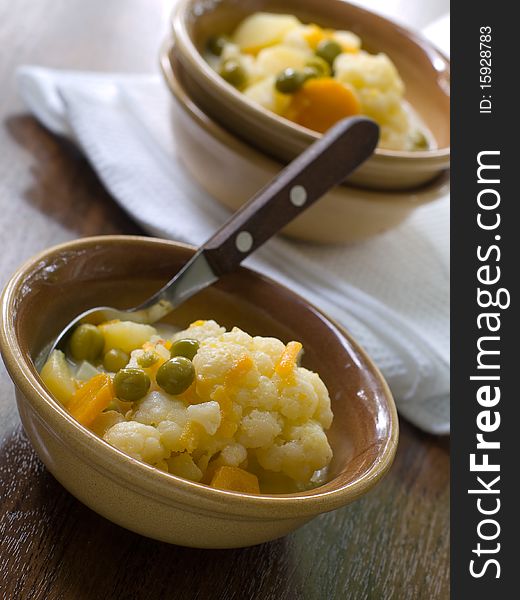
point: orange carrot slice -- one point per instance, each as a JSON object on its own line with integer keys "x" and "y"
{"x": 322, "y": 102}
{"x": 91, "y": 399}
{"x": 315, "y": 34}
{"x": 240, "y": 367}
{"x": 229, "y": 421}
{"x": 286, "y": 363}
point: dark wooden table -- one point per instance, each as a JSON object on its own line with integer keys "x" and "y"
{"x": 394, "y": 543}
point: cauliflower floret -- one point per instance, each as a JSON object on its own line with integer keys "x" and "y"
{"x": 233, "y": 455}
{"x": 218, "y": 356}
{"x": 243, "y": 407}
{"x": 271, "y": 346}
{"x": 142, "y": 442}
{"x": 200, "y": 330}
{"x": 158, "y": 406}
{"x": 134, "y": 356}
{"x": 305, "y": 451}
{"x": 266, "y": 353}
{"x": 395, "y": 140}
{"x": 207, "y": 414}
{"x": 259, "y": 428}
{"x": 172, "y": 435}
{"x": 264, "y": 363}
{"x": 156, "y": 345}
{"x": 211, "y": 363}
{"x": 383, "y": 106}
{"x": 264, "y": 395}
{"x": 238, "y": 337}
{"x": 363, "y": 70}
{"x": 299, "y": 400}
{"x": 214, "y": 362}
{"x": 348, "y": 41}
{"x": 380, "y": 91}
{"x": 323, "y": 413}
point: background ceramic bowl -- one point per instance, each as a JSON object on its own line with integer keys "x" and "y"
{"x": 346, "y": 214}
{"x": 425, "y": 72}
{"x": 121, "y": 271}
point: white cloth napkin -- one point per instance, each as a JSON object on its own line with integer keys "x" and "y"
{"x": 391, "y": 292}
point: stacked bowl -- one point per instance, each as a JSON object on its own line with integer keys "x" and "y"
{"x": 232, "y": 146}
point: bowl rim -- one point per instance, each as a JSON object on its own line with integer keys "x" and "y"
{"x": 143, "y": 477}
{"x": 415, "y": 196}
{"x": 190, "y": 53}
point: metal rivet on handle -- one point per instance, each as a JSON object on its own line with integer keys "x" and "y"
{"x": 244, "y": 241}
{"x": 298, "y": 195}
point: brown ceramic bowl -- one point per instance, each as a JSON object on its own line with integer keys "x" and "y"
{"x": 424, "y": 70}
{"x": 121, "y": 271}
{"x": 346, "y": 214}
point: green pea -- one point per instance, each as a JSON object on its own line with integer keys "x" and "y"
{"x": 115, "y": 359}
{"x": 320, "y": 66}
{"x": 186, "y": 347}
{"x": 112, "y": 405}
{"x": 233, "y": 72}
{"x": 328, "y": 50}
{"x": 419, "y": 140}
{"x": 148, "y": 359}
{"x": 289, "y": 81}
{"x": 216, "y": 44}
{"x": 131, "y": 384}
{"x": 176, "y": 375}
{"x": 86, "y": 343}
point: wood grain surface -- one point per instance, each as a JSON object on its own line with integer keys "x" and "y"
{"x": 393, "y": 543}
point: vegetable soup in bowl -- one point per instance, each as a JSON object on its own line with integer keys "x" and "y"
{"x": 192, "y": 431}
{"x": 278, "y": 73}
{"x": 345, "y": 214}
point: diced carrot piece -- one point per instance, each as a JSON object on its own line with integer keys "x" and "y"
{"x": 228, "y": 422}
{"x": 321, "y": 103}
{"x": 91, "y": 399}
{"x": 236, "y": 480}
{"x": 285, "y": 365}
{"x": 226, "y": 404}
{"x": 240, "y": 368}
{"x": 314, "y": 35}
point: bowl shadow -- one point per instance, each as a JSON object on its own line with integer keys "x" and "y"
{"x": 62, "y": 549}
